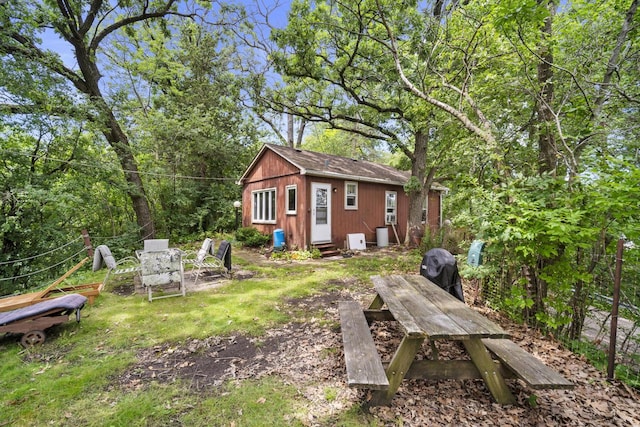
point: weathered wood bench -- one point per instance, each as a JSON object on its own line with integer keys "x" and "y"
{"x": 364, "y": 366}
{"x": 526, "y": 366}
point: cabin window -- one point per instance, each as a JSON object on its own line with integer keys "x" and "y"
{"x": 292, "y": 199}
{"x": 391, "y": 205}
{"x": 351, "y": 195}
{"x": 264, "y": 206}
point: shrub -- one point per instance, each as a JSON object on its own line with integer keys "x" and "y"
{"x": 250, "y": 236}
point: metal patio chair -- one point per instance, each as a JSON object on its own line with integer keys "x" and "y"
{"x": 206, "y": 261}
{"x": 102, "y": 257}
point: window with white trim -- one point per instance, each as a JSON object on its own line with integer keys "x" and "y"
{"x": 264, "y": 206}
{"x": 391, "y": 207}
{"x": 292, "y": 199}
{"x": 351, "y": 195}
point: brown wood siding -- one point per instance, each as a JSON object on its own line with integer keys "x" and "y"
{"x": 269, "y": 166}
{"x": 293, "y": 225}
{"x": 433, "y": 214}
{"x": 272, "y": 171}
{"x": 369, "y": 215}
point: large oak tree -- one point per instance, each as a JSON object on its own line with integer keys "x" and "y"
{"x": 84, "y": 29}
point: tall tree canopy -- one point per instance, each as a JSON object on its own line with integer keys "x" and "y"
{"x": 339, "y": 63}
{"x": 83, "y": 28}
{"x": 115, "y": 114}
{"x": 523, "y": 106}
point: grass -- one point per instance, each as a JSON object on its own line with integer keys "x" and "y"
{"x": 72, "y": 378}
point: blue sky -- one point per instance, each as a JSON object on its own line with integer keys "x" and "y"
{"x": 277, "y": 10}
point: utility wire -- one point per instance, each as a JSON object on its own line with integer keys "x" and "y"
{"x": 14, "y": 261}
{"x": 112, "y": 238}
{"x": 107, "y": 168}
{"x": 44, "y": 269}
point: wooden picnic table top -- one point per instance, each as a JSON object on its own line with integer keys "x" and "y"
{"x": 423, "y": 309}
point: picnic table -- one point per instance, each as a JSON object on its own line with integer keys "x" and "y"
{"x": 425, "y": 312}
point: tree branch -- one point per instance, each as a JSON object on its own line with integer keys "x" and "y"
{"x": 26, "y": 49}
{"x": 612, "y": 65}
{"x": 485, "y": 133}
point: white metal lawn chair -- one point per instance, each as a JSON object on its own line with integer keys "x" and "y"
{"x": 205, "y": 260}
{"x": 102, "y": 257}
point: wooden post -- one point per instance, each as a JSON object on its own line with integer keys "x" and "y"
{"x": 614, "y": 312}
{"x": 398, "y": 368}
{"x": 87, "y": 242}
{"x": 487, "y": 368}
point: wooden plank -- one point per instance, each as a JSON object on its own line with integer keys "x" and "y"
{"x": 364, "y": 367}
{"x": 64, "y": 276}
{"x": 89, "y": 290}
{"x": 417, "y": 315}
{"x": 439, "y": 370}
{"x": 396, "y": 307}
{"x": 475, "y": 324}
{"x": 378, "y": 315}
{"x": 24, "y": 300}
{"x": 36, "y": 324}
{"x": 526, "y": 366}
{"x": 492, "y": 378}
{"x": 19, "y": 301}
{"x": 402, "y": 359}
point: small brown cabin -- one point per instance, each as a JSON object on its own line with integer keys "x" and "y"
{"x": 318, "y": 198}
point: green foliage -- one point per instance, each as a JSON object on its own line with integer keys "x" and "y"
{"x": 345, "y": 144}
{"x": 51, "y": 191}
{"x": 444, "y": 237}
{"x": 413, "y": 185}
{"x": 251, "y": 237}
{"x": 195, "y": 141}
{"x": 296, "y": 255}
{"x": 542, "y": 232}
{"x": 517, "y": 302}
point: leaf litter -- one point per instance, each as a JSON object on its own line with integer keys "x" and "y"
{"x": 308, "y": 356}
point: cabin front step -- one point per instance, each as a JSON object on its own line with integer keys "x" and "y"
{"x": 327, "y": 249}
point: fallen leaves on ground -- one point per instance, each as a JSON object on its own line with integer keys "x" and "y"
{"x": 309, "y": 356}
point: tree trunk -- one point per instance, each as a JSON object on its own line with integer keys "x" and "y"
{"x": 547, "y": 158}
{"x": 135, "y": 190}
{"x": 579, "y": 309}
{"x": 417, "y": 194}
{"x": 117, "y": 138}
{"x": 290, "y": 130}
{"x": 536, "y": 288}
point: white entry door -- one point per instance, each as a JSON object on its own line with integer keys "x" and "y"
{"x": 320, "y": 212}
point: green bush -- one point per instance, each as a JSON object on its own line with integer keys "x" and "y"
{"x": 250, "y": 236}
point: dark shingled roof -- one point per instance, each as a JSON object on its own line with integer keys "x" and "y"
{"x": 328, "y": 165}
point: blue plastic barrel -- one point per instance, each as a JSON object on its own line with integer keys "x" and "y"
{"x": 278, "y": 238}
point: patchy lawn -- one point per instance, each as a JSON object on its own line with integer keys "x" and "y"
{"x": 287, "y": 371}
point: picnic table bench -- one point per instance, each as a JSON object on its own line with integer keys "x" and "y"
{"x": 364, "y": 367}
{"x": 426, "y": 312}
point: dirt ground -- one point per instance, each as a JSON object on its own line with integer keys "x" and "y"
{"x": 309, "y": 357}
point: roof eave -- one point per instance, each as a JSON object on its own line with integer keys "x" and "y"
{"x": 326, "y": 174}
